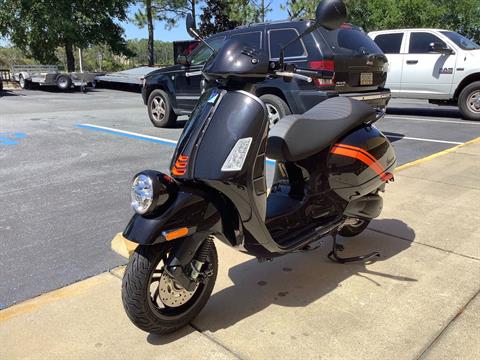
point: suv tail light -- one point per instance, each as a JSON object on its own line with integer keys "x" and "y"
{"x": 328, "y": 65}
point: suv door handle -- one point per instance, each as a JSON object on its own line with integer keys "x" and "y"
{"x": 412, "y": 62}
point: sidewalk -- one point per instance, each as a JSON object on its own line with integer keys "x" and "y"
{"x": 419, "y": 301}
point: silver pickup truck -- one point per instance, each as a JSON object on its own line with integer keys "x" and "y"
{"x": 438, "y": 65}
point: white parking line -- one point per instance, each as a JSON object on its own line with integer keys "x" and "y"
{"x": 422, "y": 139}
{"x": 173, "y": 143}
{"x": 466, "y": 122}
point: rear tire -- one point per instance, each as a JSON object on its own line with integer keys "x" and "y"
{"x": 354, "y": 230}
{"x": 469, "y": 101}
{"x": 160, "y": 110}
{"x": 64, "y": 82}
{"x": 143, "y": 309}
{"x": 276, "y": 107}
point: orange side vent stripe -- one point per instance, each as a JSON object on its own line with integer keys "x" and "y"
{"x": 357, "y": 154}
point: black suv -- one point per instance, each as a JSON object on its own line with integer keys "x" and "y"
{"x": 359, "y": 64}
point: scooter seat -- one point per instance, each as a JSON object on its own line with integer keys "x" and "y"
{"x": 296, "y": 137}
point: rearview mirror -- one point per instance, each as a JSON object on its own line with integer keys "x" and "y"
{"x": 438, "y": 47}
{"x": 331, "y": 14}
{"x": 190, "y": 24}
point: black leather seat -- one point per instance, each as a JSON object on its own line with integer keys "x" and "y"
{"x": 296, "y": 137}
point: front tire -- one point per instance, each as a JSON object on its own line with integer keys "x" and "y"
{"x": 160, "y": 109}
{"x": 147, "y": 310}
{"x": 469, "y": 101}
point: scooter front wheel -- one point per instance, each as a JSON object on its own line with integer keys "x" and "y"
{"x": 153, "y": 300}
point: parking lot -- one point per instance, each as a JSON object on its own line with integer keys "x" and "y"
{"x": 66, "y": 161}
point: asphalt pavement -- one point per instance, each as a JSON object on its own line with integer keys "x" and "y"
{"x": 67, "y": 159}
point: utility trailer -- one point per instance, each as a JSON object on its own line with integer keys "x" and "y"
{"x": 49, "y": 75}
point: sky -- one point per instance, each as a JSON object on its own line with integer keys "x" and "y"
{"x": 178, "y": 32}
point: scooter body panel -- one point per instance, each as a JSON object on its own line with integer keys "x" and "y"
{"x": 360, "y": 163}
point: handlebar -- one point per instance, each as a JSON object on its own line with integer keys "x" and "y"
{"x": 306, "y": 74}
{"x": 294, "y": 75}
{"x": 319, "y": 74}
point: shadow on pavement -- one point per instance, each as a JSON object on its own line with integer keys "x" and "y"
{"x": 299, "y": 280}
{"x": 393, "y": 136}
{"x": 10, "y": 93}
{"x": 154, "y": 339}
{"x": 433, "y": 112}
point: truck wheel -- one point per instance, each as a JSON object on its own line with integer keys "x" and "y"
{"x": 469, "y": 101}
{"x": 160, "y": 109}
{"x": 64, "y": 82}
{"x": 276, "y": 107}
{"x": 24, "y": 84}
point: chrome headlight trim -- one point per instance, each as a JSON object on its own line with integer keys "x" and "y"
{"x": 142, "y": 194}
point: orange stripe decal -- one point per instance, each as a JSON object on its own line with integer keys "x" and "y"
{"x": 364, "y": 156}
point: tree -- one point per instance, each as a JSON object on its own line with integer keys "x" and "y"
{"x": 38, "y": 28}
{"x": 248, "y": 11}
{"x": 459, "y": 15}
{"x": 144, "y": 17}
{"x": 216, "y": 17}
{"x": 300, "y": 8}
{"x": 167, "y": 11}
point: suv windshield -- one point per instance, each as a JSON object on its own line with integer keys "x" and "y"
{"x": 201, "y": 54}
{"x": 351, "y": 41}
{"x": 462, "y": 41}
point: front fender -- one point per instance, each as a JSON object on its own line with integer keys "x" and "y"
{"x": 190, "y": 209}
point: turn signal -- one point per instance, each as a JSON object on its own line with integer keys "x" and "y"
{"x": 175, "y": 234}
{"x": 180, "y": 167}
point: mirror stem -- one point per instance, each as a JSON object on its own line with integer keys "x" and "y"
{"x": 310, "y": 29}
{"x": 197, "y": 35}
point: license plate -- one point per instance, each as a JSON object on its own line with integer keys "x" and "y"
{"x": 366, "y": 79}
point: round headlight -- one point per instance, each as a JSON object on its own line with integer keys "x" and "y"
{"x": 142, "y": 194}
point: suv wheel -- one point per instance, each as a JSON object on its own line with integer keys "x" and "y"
{"x": 160, "y": 110}
{"x": 469, "y": 101}
{"x": 276, "y": 107}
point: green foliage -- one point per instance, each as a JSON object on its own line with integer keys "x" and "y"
{"x": 462, "y": 16}
{"x": 216, "y": 17}
{"x": 39, "y": 27}
{"x": 10, "y": 56}
{"x": 300, "y": 8}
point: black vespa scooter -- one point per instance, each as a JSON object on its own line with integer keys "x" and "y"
{"x": 331, "y": 164}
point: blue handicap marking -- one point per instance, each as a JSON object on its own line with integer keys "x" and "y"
{"x": 11, "y": 138}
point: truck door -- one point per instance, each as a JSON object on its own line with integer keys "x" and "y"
{"x": 427, "y": 74}
{"x": 188, "y": 83}
{"x": 391, "y": 45}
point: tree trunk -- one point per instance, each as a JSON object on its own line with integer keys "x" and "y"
{"x": 151, "y": 51}
{"x": 194, "y": 3}
{"x": 70, "y": 57}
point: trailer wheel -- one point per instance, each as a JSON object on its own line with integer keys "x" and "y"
{"x": 24, "y": 84}
{"x": 64, "y": 82}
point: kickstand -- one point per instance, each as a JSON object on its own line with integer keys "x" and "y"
{"x": 333, "y": 255}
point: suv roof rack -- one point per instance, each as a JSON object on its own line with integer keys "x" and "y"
{"x": 270, "y": 22}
